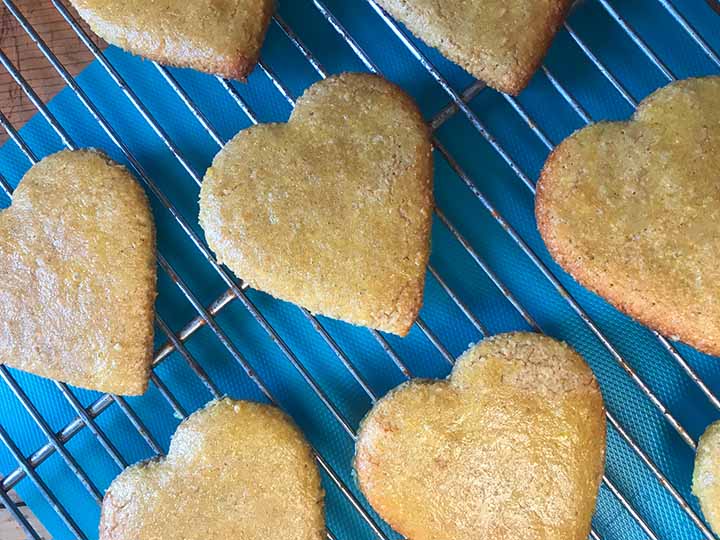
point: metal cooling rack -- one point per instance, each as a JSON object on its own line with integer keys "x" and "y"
{"x": 87, "y": 416}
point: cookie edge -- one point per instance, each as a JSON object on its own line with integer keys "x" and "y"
{"x": 149, "y": 301}
{"x": 513, "y": 80}
{"x": 137, "y": 387}
{"x": 516, "y": 80}
{"x": 406, "y": 309}
{"x": 410, "y": 300}
{"x": 555, "y": 162}
{"x": 712, "y": 431}
{"x": 105, "y": 531}
{"x": 448, "y": 380}
{"x": 237, "y": 66}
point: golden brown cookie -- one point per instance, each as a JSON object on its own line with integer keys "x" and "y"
{"x": 221, "y": 37}
{"x": 501, "y": 42}
{"x": 632, "y": 211}
{"x": 706, "y": 477}
{"x": 332, "y": 210}
{"x": 235, "y": 470}
{"x": 510, "y": 447}
{"x": 77, "y": 259}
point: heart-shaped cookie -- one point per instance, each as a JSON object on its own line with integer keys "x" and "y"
{"x": 221, "y": 37}
{"x": 235, "y": 470}
{"x": 510, "y": 447}
{"x": 501, "y": 42}
{"x": 332, "y": 210}
{"x": 632, "y": 211}
{"x": 77, "y": 260}
{"x": 706, "y": 477}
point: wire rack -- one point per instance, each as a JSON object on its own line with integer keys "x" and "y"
{"x": 660, "y": 395}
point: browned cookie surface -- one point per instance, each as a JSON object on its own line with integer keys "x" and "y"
{"x": 510, "y": 447}
{"x": 706, "y": 477}
{"x": 222, "y": 37}
{"x": 235, "y": 470}
{"x": 632, "y": 211}
{"x": 77, "y": 256}
{"x": 501, "y": 42}
{"x": 332, "y": 210}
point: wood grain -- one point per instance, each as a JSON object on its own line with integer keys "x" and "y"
{"x": 31, "y": 63}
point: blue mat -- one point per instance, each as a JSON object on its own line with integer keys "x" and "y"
{"x": 486, "y": 170}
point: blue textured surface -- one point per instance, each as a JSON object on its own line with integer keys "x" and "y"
{"x": 486, "y": 170}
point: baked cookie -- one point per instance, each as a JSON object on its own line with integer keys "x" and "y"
{"x": 77, "y": 260}
{"x": 706, "y": 477}
{"x": 235, "y": 469}
{"x": 501, "y": 42}
{"x": 222, "y": 37}
{"x": 632, "y": 211}
{"x": 332, "y": 210}
{"x": 510, "y": 447}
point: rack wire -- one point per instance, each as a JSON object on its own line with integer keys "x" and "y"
{"x": 458, "y": 105}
